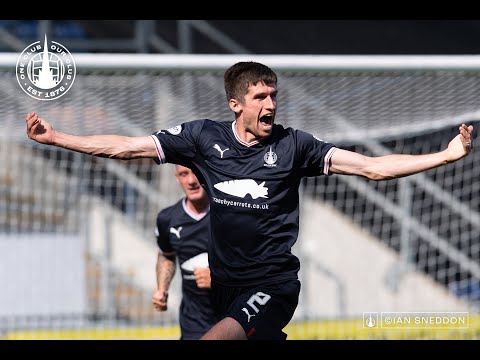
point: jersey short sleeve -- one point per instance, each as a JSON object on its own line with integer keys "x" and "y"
{"x": 162, "y": 231}
{"x": 177, "y": 145}
{"x": 313, "y": 154}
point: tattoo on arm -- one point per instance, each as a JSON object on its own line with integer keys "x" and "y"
{"x": 165, "y": 269}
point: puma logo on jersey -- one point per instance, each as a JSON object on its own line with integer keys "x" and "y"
{"x": 240, "y": 188}
{"x": 217, "y": 147}
{"x": 176, "y": 231}
{"x": 246, "y": 312}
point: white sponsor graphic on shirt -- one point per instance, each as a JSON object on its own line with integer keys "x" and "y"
{"x": 201, "y": 260}
{"x": 240, "y": 188}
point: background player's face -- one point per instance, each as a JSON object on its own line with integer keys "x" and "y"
{"x": 258, "y": 109}
{"x": 189, "y": 183}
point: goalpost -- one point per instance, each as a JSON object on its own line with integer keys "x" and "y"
{"x": 424, "y": 230}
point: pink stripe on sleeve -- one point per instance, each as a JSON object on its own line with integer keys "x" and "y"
{"x": 158, "y": 147}
{"x": 326, "y": 162}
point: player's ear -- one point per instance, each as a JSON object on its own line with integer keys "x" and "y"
{"x": 235, "y": 105}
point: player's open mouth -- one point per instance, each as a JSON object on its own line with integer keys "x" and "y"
{"x": 266, "y": 121}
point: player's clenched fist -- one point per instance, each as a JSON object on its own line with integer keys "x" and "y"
{"x": 159, "y": 300}
{"x": 202, "y": 277}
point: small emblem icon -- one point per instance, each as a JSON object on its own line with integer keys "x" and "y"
{"x": 270, "y": 158}
{"x": 370, "y": 320}
{"x": 45, "y": 72}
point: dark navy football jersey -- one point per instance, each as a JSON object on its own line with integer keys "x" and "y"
{"x": 253, "y": 190}
{"x": 179, "y": 229}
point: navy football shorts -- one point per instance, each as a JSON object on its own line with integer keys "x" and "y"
{"x": 263, "y": 311}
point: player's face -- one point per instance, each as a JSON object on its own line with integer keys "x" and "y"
{"x": 258, "y": 109}
{"x": 189, "y": 183}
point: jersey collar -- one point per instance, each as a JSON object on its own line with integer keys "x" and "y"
{"x": 190, "y": 213}
{"x": 254, "y": 142}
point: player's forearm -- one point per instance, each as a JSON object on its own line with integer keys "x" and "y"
{"x": 397, "y": 165}
{"x": 385, "y": 167}
{"x": 165, "y": 272}
{"x": 110, "y": 146}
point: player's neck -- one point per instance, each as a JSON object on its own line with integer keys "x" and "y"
{"x": 198, "y": 206}
{"x": 244, "y": 134}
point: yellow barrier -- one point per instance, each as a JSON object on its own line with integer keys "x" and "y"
{"x": 137, "y": 333}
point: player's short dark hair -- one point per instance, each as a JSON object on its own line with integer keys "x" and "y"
{"x": 241, "y": 75}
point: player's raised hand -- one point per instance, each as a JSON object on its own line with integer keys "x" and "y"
{"x": 462, "y": 144}
{"x": 202, "y": 277}
{"x": 38, "y": 129}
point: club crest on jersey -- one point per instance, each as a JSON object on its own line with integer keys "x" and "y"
{"x": 175, "y": 130}
{"x": 270, "y": 158}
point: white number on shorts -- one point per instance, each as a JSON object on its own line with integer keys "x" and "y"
{"x": 260, "y": 298}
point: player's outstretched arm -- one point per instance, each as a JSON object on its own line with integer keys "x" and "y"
{"x": 398, "y": 165}
{"x": 111, "y": 146}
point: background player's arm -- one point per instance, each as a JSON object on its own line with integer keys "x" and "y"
{"x": 165, "y": 270}
{"x": 398, "y": 165}
{"x": 202, "y": 277}
{"x": 111, "y": 146}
